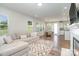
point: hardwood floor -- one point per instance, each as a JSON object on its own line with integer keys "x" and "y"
{"x": 64, "y": 43}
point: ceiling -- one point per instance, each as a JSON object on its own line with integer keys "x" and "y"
{"x": 47, "y": 10}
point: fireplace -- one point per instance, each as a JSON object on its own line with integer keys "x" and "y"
{"x": 75, "y": 46}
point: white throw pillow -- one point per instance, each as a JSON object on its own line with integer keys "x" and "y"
{"x": 8, "y": 39}
{"x": 1, "y": 41}
{"x": 23, "y": 36}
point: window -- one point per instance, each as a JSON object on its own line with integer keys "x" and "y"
{"x": 39, "y": 27}
{"x": 49, "y": 26}
{"x": 3, "y": 25}
{"x": 30, "y": 26}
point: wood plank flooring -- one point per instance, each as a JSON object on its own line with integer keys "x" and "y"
{"x": 64, "y": 43}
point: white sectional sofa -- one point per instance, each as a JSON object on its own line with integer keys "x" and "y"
{"x": 13, "y": 48}
{"x": 31, "y": 38}
{"x": 16, "y": 45}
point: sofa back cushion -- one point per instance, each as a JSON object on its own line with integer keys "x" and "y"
{"x": 8, "y": 39}
{"x": 17, "y": 35}
{"x": 33, "y": 34}
{"x": 23, "y": 36}
{"x": 14, "y": 37}
{"x": 1, "y": 41}
{"x": 28, "y": 35}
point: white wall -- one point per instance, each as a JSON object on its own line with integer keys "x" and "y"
{"x": 17, "y": 23}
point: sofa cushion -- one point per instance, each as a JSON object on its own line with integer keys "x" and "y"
{"x": 28, "y": 35}
{"x": 1, "y": 41}
{"x": 17, "y": 35}
{"x": 23, "y": 36}
{"x": 13, "y": 36}
{"x": 8, "y": 39}
{"x": 12, "y": 48}
{"x": 34, "y": 34}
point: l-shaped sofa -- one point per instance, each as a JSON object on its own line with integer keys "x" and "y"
{"x": 16, "y": 44}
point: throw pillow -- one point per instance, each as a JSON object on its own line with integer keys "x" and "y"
{"x": 8, "y": 39}
{"x": 1, "y": 41}
{"x": 23, "y": 36}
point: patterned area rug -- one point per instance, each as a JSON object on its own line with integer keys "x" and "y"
{"x": 40, "y": 48}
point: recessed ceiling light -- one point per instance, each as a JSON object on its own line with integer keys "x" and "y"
{"x": 39, "y": 4}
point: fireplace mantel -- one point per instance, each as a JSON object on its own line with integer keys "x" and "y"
{"x": 74, "y": 30}
{"x": 75, "y": 43}
{"x": 74, "y": 33}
